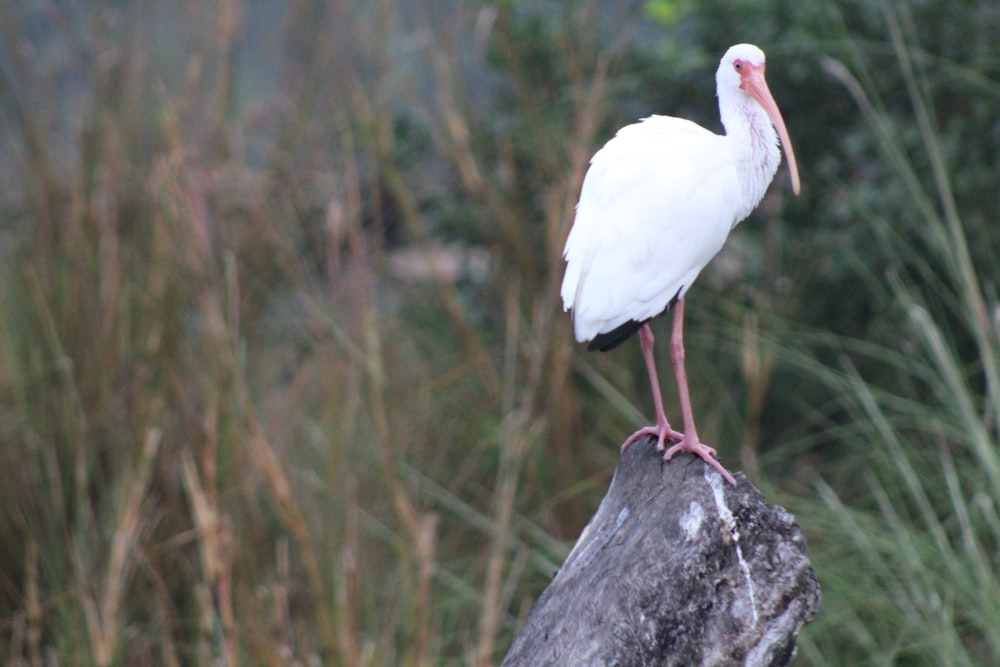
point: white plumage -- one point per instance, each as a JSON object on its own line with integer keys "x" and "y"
{"x": 632, "y": 247}
{"x": 657, "y": 204}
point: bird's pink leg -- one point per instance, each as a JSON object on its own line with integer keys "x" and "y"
{"x": 662, "y": 429}
{"x": 689, "y": 441}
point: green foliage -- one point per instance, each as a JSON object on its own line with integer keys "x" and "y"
{"x": 247, "y": 417}
{"x": 666, "y": 11}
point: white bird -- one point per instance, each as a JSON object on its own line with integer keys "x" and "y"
{"x": 658, "y": 202}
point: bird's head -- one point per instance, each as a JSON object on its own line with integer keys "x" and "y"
{"x": 739, "y": 62}
{"x": 742, "y": 69}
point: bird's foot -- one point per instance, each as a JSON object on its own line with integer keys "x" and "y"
{"x": 702, "y": 450}
{"x": 663, "y": 432}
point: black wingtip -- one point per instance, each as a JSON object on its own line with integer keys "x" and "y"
{"x": 609, "y": 340}
{"x": 612, "y": 339}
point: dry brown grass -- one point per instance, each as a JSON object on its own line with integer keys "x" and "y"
{"x": 227, "y": 444}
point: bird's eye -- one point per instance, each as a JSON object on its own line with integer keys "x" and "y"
{"x": 737, "y": 65}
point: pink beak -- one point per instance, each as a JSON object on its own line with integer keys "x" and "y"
{"x": 755, "y": 85}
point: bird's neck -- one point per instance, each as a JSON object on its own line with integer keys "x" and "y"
{"x": 754, "y": 144}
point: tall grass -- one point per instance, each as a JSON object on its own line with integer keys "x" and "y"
{"x": 241, "y": 424}
{"x": 908, "y": 549}
{"x": 229, "y": 436}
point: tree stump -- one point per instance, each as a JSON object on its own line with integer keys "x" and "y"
{"x": 677, "y": 567}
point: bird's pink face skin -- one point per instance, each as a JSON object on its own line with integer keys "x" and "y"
{"x": 752, "y": 82}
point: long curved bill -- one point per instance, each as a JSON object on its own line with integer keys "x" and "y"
{"x": 755, "y": 85}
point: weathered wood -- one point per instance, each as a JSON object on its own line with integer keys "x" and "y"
{"x": 677, "y": 567}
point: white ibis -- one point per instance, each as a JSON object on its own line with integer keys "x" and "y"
{"x": 657, "y": 203}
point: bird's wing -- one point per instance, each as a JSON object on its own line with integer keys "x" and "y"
{"x": 657, "y": 204}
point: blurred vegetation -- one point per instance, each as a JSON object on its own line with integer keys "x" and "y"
{"x": 284, "y": 376}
